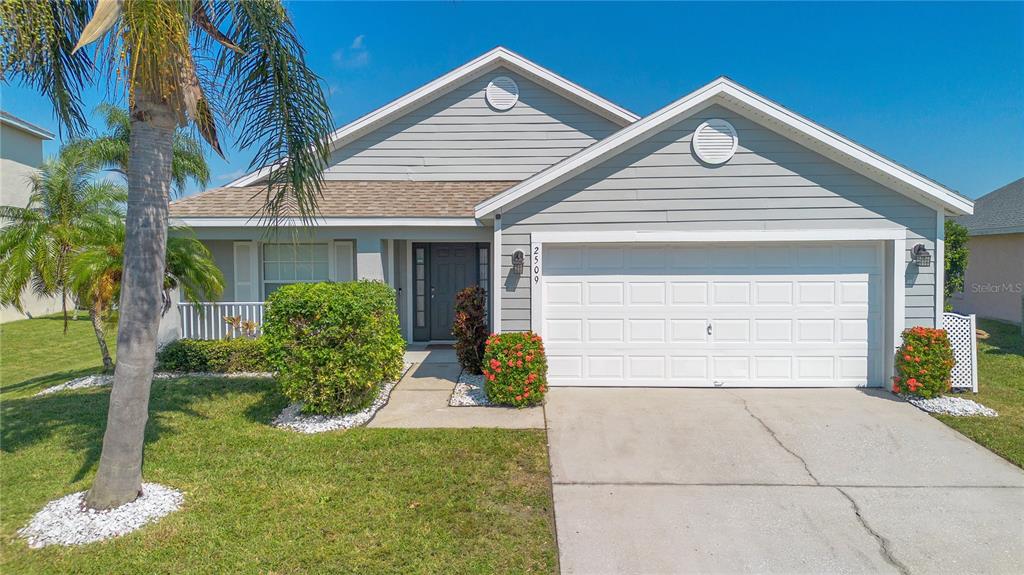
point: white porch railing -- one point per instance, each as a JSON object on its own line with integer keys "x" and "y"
{"x": 206, "y": 320}
{"x": 962, "y": 331}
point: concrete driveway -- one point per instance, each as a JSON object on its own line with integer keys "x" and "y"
{"x": 774, "y": 481}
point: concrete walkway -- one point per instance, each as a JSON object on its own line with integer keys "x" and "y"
{"x": 774, "y": 481}
{"x": 421, "y": 399}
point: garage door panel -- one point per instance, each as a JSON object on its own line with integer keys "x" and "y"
{"x": 688, "y": 293}
{"x": 646, "y": 331}
{"x": 564, "y": 293}
{"x": 780, "y": 315}
{"x": 773, "y": 330}
{"x": 644, "y": 367}
{"x": 564, "y": 330}
{"x": 730, "y": 293}
{"x": 815, "y": 331}
{"x": 646, "y": 293}
{"x": 730, "y": 368}
{"x": 606, "y": 330}
{"x": 773, "y": 293}
{"x": 815, "y": 292}
{"x": 689, "y": 330}
{"x": 606, "y": 366}
{"x": 730, "y": 331}
{"x": 605, "y": 293}
{"x": 689, "y": 369}
{"x": 777, "y": 368}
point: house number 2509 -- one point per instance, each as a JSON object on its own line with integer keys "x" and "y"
{"x": 536, "y": 264}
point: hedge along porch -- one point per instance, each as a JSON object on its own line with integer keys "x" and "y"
{"x": 255, "y": 264}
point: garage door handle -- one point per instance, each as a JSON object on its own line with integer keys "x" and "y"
{"x": 709, "y": 329}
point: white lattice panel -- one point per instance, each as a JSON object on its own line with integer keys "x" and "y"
{"x": 961, "y": 330}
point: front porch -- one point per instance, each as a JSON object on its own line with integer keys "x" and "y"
{"x": 426, "y": 266}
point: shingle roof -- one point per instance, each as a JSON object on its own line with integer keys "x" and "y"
{"x": 378, "y": 198}
{"x": 998, "y": 212}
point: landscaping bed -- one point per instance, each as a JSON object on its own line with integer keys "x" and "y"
{"x": 292, "y": 417}
{"x": 469, "y": 391}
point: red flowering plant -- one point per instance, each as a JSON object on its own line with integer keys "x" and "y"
{"x": 923, "y": 363}
{"x": 515, "y": 369}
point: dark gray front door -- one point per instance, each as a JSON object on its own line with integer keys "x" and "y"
{"x": 452, "y": 268}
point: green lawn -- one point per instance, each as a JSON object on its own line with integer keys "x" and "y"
{"x": 258, "y": 499}
{"x": 1001, "y": 378}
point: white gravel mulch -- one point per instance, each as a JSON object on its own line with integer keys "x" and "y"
{"x": 952, "y": 406}
{"x": 99, "y": 380}
{"x": 293, "y": 419}
{"x": 469, "y": 391}
{"x": 66, "y": 521}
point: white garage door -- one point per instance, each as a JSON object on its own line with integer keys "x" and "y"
{"x": 768, "y": 315}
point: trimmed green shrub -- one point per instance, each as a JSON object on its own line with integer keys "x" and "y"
{"x": 334, "y": 344}
{"x": 924, "y": 363}
{"x": 515, "y": 369}
{"x": 217, "y": 356}
{"x": 470, "y": 327}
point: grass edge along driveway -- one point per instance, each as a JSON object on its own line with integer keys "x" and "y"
{"x": 1001, "y": 387}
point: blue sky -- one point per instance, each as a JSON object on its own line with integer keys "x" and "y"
{"x": 936, "y": 87}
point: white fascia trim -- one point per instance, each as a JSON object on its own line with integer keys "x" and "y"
{"x": 339, "y": 222}
{"x": 725, "y": 89}
{"x": 432, "y": 90}
{"x": 720, "y": 236}
{"x": 25, "y": 126}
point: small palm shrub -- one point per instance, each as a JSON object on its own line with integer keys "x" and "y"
{"x": 216, "y": 356}
{"x": 470, "y": 328}
{"x": 923, "y": 363}
{"x": 515, "y": 369}
{"x": 334, "y": 344}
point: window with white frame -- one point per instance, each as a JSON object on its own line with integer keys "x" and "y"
{"x": 285, "y": 264}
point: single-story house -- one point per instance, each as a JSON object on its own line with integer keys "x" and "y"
{"x": 720, "y": 241}
{"x": 994, "y": 282}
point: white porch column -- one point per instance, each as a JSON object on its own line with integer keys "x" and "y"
{"x": 170, "y": 322}
{"x": 370, "y": 256}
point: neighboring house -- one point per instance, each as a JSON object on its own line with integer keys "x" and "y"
{"x": 21, "y": 154}
{"x": 765, "y": 251}
{"x": 994, "y": 283}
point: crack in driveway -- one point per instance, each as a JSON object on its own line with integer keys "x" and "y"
{"x": 883, "y": 543}
{"x": 774, "y": 436}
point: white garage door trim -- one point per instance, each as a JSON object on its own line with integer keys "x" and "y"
{"x": 893, "y": 312}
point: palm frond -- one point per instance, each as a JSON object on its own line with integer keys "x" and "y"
{"x": 277, "y": 105}
{"x": 36, "y": 42}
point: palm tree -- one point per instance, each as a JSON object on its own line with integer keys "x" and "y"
{"x": 188, "y": 162}
{"x": 235, "y": 63}
{"x": 65, "y": 208}
{"x": 96, "y": 273}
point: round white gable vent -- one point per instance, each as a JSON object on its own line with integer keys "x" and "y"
{"x": 715, "y": 141}
{"x": 502, "y": 93}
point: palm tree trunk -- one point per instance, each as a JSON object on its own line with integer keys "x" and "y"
{"x": 97, "y": 328}
{"x": 119, "y": 478}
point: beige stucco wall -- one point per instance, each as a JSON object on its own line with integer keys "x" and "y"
{"x": 994, "y": 279}
{"x": 21, "y": 154}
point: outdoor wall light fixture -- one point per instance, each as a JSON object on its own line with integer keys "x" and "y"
{"x": 518, "y": 257}
{"x": 920, "y": 256}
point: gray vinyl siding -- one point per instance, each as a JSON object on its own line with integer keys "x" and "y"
{"x": 223, "y": 252}
{"x": 771, "y": 183}
{"x": 459, "y": 137}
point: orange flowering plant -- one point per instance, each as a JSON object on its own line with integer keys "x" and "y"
{"x": 515, "y": 369}
{"x": 923, "y": 363}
